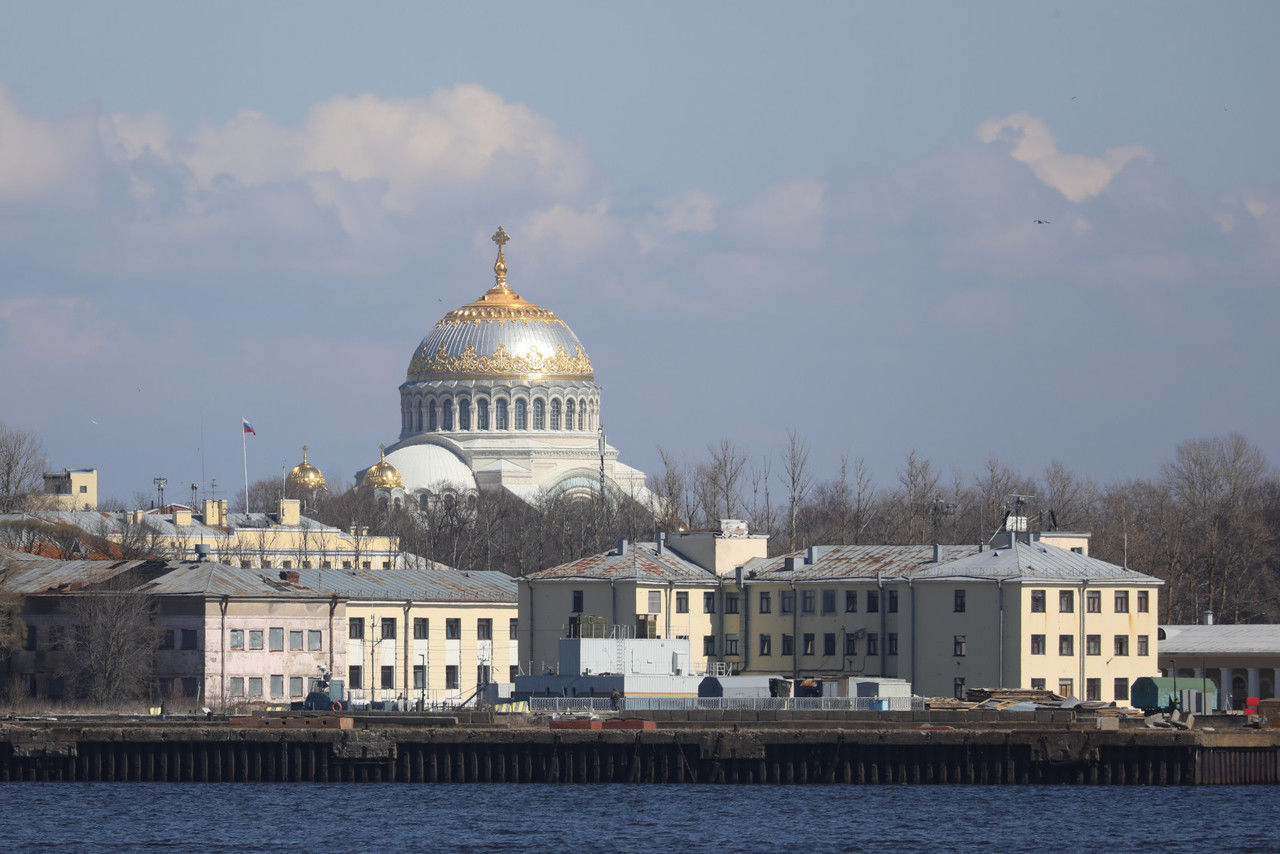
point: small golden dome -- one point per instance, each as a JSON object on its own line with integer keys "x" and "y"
{"x": 383, "y": 475}
{"x": 304, "y": 475}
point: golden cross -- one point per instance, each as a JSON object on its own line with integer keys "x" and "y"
{"x": 500, "y": 237}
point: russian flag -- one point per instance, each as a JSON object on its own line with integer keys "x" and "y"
{"x": 248, "y": 428}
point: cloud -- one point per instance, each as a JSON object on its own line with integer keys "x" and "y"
{"x": 788, "y": 215}
{"x": 1077, "y": 176}
{"x": 45, "y": 164}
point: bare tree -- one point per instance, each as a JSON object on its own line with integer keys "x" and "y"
{"x": 22, "y": 466}
{"x": 115, "y": 641}
{"x": 796, "y": 479}
{"x": 725, "y": 471}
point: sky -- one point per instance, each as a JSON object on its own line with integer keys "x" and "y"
{"x": 757, "y": 217}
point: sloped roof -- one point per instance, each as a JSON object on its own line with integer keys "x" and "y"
{"x": 856, "y": 561}
{"x": 420, "y": 584}
{"x": 640, "y": 562}
{"x": 1220, "y": 639}
{"x": 1034, "y": 561}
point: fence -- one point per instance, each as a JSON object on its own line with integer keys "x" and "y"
{"x": 582, "y": 705}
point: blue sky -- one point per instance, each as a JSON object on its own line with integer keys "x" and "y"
{"x": 755, "y": 217}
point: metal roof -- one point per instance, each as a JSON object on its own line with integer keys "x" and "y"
{"x": 1220, "y": 639}
{"x": 641, "y": 562}
{"x": 849, "y": 562}
{"x": 1034, "y": 561}
{"x": 34, "y": 576}
{"x": 420, "y": 584}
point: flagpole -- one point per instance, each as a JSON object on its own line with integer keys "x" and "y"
{"x": 244, "y": 450}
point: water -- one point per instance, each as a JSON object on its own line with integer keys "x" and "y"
{"x": 502, "y": 817}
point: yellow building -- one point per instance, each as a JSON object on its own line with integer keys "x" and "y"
{"x": 423, "y": 636}
{"x": 71, "y": 489}
{"x": 1026, "y": 614}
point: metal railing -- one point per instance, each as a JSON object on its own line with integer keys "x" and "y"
{"x": 582, "y": 705}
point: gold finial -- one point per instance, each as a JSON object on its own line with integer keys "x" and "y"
{"x": 500, "y": 237}
{"x": 304, "y": 453}
{"x": 382, "y": 450}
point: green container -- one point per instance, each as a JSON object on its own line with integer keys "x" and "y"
{"x": 1159, "y": 693}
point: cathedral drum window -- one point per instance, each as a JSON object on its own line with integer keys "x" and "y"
{"x": 555, "y": 415}
{"x": 522, "y": 415}
{"x": 539, "y": 414}
{"x": 501, "y": 415}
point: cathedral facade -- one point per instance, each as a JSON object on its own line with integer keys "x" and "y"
{"x": 501, "y": 395}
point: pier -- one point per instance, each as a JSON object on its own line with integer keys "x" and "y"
{"x": 911, "y": 748}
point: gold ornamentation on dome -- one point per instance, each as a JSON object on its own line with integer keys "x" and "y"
{"x": 304, "y": 475}
{"x": 502, "y": 363}
{"x": 383, "y": 475}
{"x": 500, "y": 304}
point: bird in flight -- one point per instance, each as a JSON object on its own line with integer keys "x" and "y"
{"x": 1040, "y": 221}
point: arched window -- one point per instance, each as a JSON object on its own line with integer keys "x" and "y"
{"x": 582, "y": 414}
{"x": 568, "y": 414}
{"x": 501, "y": 416}
{"x": 522, "y": 415}
{"x": 431, "y": 415}
{"x": 424, "y": 501}
{"x": 415, "y": 416}
{"x": 555, "y": 415}
{"x": 482, "y": 415}
{"x": 448, "y": 414}
{"x": 539, "y": 414}
{"x": 464, "y": 414}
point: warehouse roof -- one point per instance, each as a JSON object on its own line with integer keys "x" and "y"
{"x": 1220, "y": 639}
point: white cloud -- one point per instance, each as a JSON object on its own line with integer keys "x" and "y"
{"x": 1077, "y": 176}
{"x": 45, "y": 164}
{"x": 788, "y": 215}
{"x": 567, "y": 236}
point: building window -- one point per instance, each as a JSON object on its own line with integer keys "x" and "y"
{"x": 1122, "y": 601}
{"x": 464, "y": 415}
{"x": 190, "y": 686}
{"x": 447, "y": 410}
{"x": 500, "y": 415}
{"x": 851, "y": 601}
{"x": 1122, "y": 689}
{"x": 1122, "y": 644}
{"x": 829, "y": 643}
{"x": 482, "y": 415}
{"x": 1093, "y": 689}
{"x": 513, "y": 629}
{"x": 766, "y": 644}
{"x": 708, "y": 603}
{"x": 1144, "y": 604}
{"x": 1093, "y": 644}
{"x": 355, "y": 628}
{"x": 236, "y": 686}
{"x": 891, "y": 601}
{"x": 555, "y": 415}
{"x": 766, "y": 602}
{"x": 451, "y": 677}
{"x": 453, "y": 628}
{"x": 484, "y": 629}
{"x": 355, "y": 677}
{"x": 730, "y": 645}
{"x": 731, "y": 603}
{"x": 958, "y": 688}
{"x": 682, "y": 601}
{"x": 420, "y": 627}
{"x": 512, "y": 672}
{"x": 873, "y": 601}
{"x": 388, "y": 677}
{"x": 237, "y": 638}
{"x": 295, "y": 639}
{"x": 788, "y": 645}
{"x": 787, "y": 605}
{"x": 522, "y": 414}
{"x": 388, "y": 628}
{"x": 1144, "y": 647}
{"x": 569, "y": 414}
{"x": 166, "y": 638}
{"x": 873, "y": 643}
{"x": 295, "y": 686}
{"x": 539, "y": 414}
{"x": 957, "y": 603}
{"x": 655, "y": 602}
{"x": 1093, "y": 601}
{"x": 1066, "y": 688}
{"x": 1037, "y": 601}
{"x": 255, "y": 639}
{"x": 255, "y": 686}
{"x": 432, "y": 423}
{"x": 1066, "y": 601}
{"x": 828, "y": 601}
{"x": 190, "y": 639}
{"x": 850, "y": 644}
{"x": 315, "y": 640}
{"x": 958, "y": 646}
{"x": 577, "y": 602}
{"x": 1037, "y": 684}
{"x": 1037, "y": 644}
{"x": 1066, "y": 645}
{"x": 419, "y": 677}
{"x": 808, "y": 647}
{"x": 806, "y": 602}
{"x": 277, "y": 686}
{"x": 708, "y": 644}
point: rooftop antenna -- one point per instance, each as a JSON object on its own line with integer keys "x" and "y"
{"x": 160, "y": 483}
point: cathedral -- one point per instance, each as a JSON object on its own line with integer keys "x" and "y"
{"x": 500, "y": 395}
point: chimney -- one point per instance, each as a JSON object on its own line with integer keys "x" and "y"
{"x": 661, "y": 541}
{"x": 202, "y": 552}
{"x": 622, "y": 548}
{"x": 1206, "y": 618}
{"x": 810, "y": 555}
{"x": 937, "y": 553}
{"x": 289, "y": 575}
